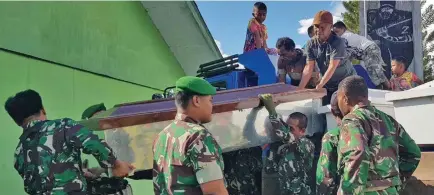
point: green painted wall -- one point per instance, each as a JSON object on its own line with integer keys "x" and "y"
{"x": 66, "y": 93}
{"x": 112, "y": 38}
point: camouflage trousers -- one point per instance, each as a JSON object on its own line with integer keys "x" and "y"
{"x": 241, "y": 171}
{"x": 374, "y": 64}
{"x": 271, "y": 183}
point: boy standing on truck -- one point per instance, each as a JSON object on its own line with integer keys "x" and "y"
{"x": 256, "y": 37}
{"x": 297, "y": 153}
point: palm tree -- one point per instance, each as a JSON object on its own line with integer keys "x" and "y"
{"x": 427, "y": 41}
{"x": 351, "y": 16}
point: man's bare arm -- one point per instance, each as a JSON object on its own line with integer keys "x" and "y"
{"x": 329, "y": 73}
{"x": 307, "y": 74}
{"x": 281, "y": 70}
{"x": 216, "y": 187}
{"x": 258, "y": 40}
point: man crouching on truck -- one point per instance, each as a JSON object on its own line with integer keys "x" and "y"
{"x": 187, "y": 158}
{"x": 48, "y": 155}
{"x": 292, "y": 61}
{"x": 376, "y": 155}
{"x": 296, "y": 155}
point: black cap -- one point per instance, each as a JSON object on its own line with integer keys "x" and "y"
{"x": 334, "y": 107}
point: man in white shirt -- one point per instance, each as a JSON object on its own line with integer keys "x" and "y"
{"x": 368, "y": 51}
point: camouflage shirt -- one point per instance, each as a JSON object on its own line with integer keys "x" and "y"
{"x": 374, "y": 152}
{"x": 243, "y": 171}
{"x": 295, "y": 167}
{"x": 326, "y": 172}
{"x": 48, "y": 156}
{"x": 294, "y": 159}
{"x": 271, "y": 156}
{"x": 185, "y": 156}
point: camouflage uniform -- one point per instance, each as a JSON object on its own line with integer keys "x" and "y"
{"x": 326, "y": 173}
{"x": 185, "y": 156}
{"x": 295, "y": 163}
{"x": 270, "y": 176}
{"x": 48, "y": 156}
{"x": 374, "y": 64}
{"x": 295, "y": 166}
{"x": 241, "y": 171}
{"x": 99, "y": 182}
{"x": 375, "y": 154}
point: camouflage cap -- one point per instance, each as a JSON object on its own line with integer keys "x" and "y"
{"x": 89, "y": 112}
{"x": 195, "y": 85}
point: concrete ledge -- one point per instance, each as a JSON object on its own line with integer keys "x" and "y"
{"x": 409, "y": 94}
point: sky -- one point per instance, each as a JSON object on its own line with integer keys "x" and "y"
{"x": 227, "y": 20}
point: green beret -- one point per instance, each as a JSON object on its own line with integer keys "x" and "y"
{"x": 195, "y": 85}
{"x": 89, "y": 112}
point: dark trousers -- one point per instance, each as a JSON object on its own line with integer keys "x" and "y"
{"x": 326, "y": 99}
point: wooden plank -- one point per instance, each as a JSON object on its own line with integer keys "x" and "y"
{"x": 225, "y": 101}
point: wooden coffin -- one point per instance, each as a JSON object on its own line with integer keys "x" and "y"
{"x": 131, "y": 128}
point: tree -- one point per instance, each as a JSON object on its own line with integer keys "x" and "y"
{"x": 427, "y": 42}
{"x": 351, "y": 16}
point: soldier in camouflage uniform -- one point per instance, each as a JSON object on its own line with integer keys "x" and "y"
{"x": 98, "y": 180}
{"x": 187, "y": 158}
{"x": 296, "y": 155}
{"x": 371, "y": 145}
{"x": 326, "y": 173}
{"x": 241, "y": 171}
{"x": 48, "y": 155}
{"x": 364, "y": 49}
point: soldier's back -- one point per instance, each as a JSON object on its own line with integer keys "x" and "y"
{"x": 295, "y": 168}
{"x": 53, "y": 163}
{"x": 380, "y": 132}
{"x": 180, "y": 150}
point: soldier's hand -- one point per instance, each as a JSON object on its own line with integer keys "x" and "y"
{"x": 122, "y": 169}
{"x": 267, "y": 101}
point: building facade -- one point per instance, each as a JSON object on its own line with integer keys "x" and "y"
{"x": 76, "y": 54}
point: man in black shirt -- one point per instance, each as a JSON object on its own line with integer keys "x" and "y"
{"x": 329, "y": 52}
